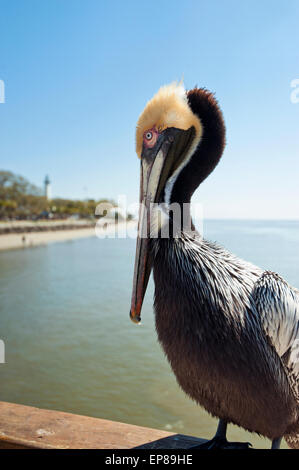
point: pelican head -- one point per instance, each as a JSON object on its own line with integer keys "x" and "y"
{"x": 168, "y": 135}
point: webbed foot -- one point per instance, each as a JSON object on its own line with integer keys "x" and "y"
{"x": 222, "y": 443}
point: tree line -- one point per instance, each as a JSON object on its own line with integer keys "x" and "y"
{"x": 19, "y": 199}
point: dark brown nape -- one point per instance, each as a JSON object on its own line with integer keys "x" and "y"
{"x": 210, "y": 148}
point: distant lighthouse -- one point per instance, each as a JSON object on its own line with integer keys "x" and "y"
{"x": 47, "y": 188}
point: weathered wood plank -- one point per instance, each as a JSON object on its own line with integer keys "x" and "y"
{"x": 29, "y": 427}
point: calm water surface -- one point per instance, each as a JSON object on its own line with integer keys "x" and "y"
{"x": 64, "y": 317}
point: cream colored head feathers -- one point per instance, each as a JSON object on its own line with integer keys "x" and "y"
{"x": 168, "y": 108}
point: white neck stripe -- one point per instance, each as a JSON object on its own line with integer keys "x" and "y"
{"x": 170, "y": 182}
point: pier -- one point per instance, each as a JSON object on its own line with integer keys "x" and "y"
{"x": 27, "y": 427}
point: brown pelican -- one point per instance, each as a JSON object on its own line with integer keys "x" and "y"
{"x": 229, "y": 330}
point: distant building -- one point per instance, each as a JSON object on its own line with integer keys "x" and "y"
{"x": 47, "y": 187}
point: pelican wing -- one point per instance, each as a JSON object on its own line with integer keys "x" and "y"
{"x": 278, "y": 306}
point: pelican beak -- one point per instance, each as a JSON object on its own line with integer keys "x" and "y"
{"x": 157, "y": 164}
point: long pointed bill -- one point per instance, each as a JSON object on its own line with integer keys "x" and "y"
{"x": 157, "y": 165}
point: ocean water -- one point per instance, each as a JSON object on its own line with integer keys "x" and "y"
{"x": 64, "y": 318}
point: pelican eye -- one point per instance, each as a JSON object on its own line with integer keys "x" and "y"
{"x": 149, "y": 135}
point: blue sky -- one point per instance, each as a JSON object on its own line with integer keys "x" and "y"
{"x": 78, "y": 73}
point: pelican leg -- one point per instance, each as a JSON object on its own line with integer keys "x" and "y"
{"x": 276, "y": 443}
{"x": 219, "y": 441}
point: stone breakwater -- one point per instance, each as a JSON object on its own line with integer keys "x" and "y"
{"x": 6, "y": 228}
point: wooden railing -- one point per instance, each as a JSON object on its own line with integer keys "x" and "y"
{"x": 25, "y": 427}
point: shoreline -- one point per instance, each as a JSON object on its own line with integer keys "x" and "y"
{"x": 15, "y": 241}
